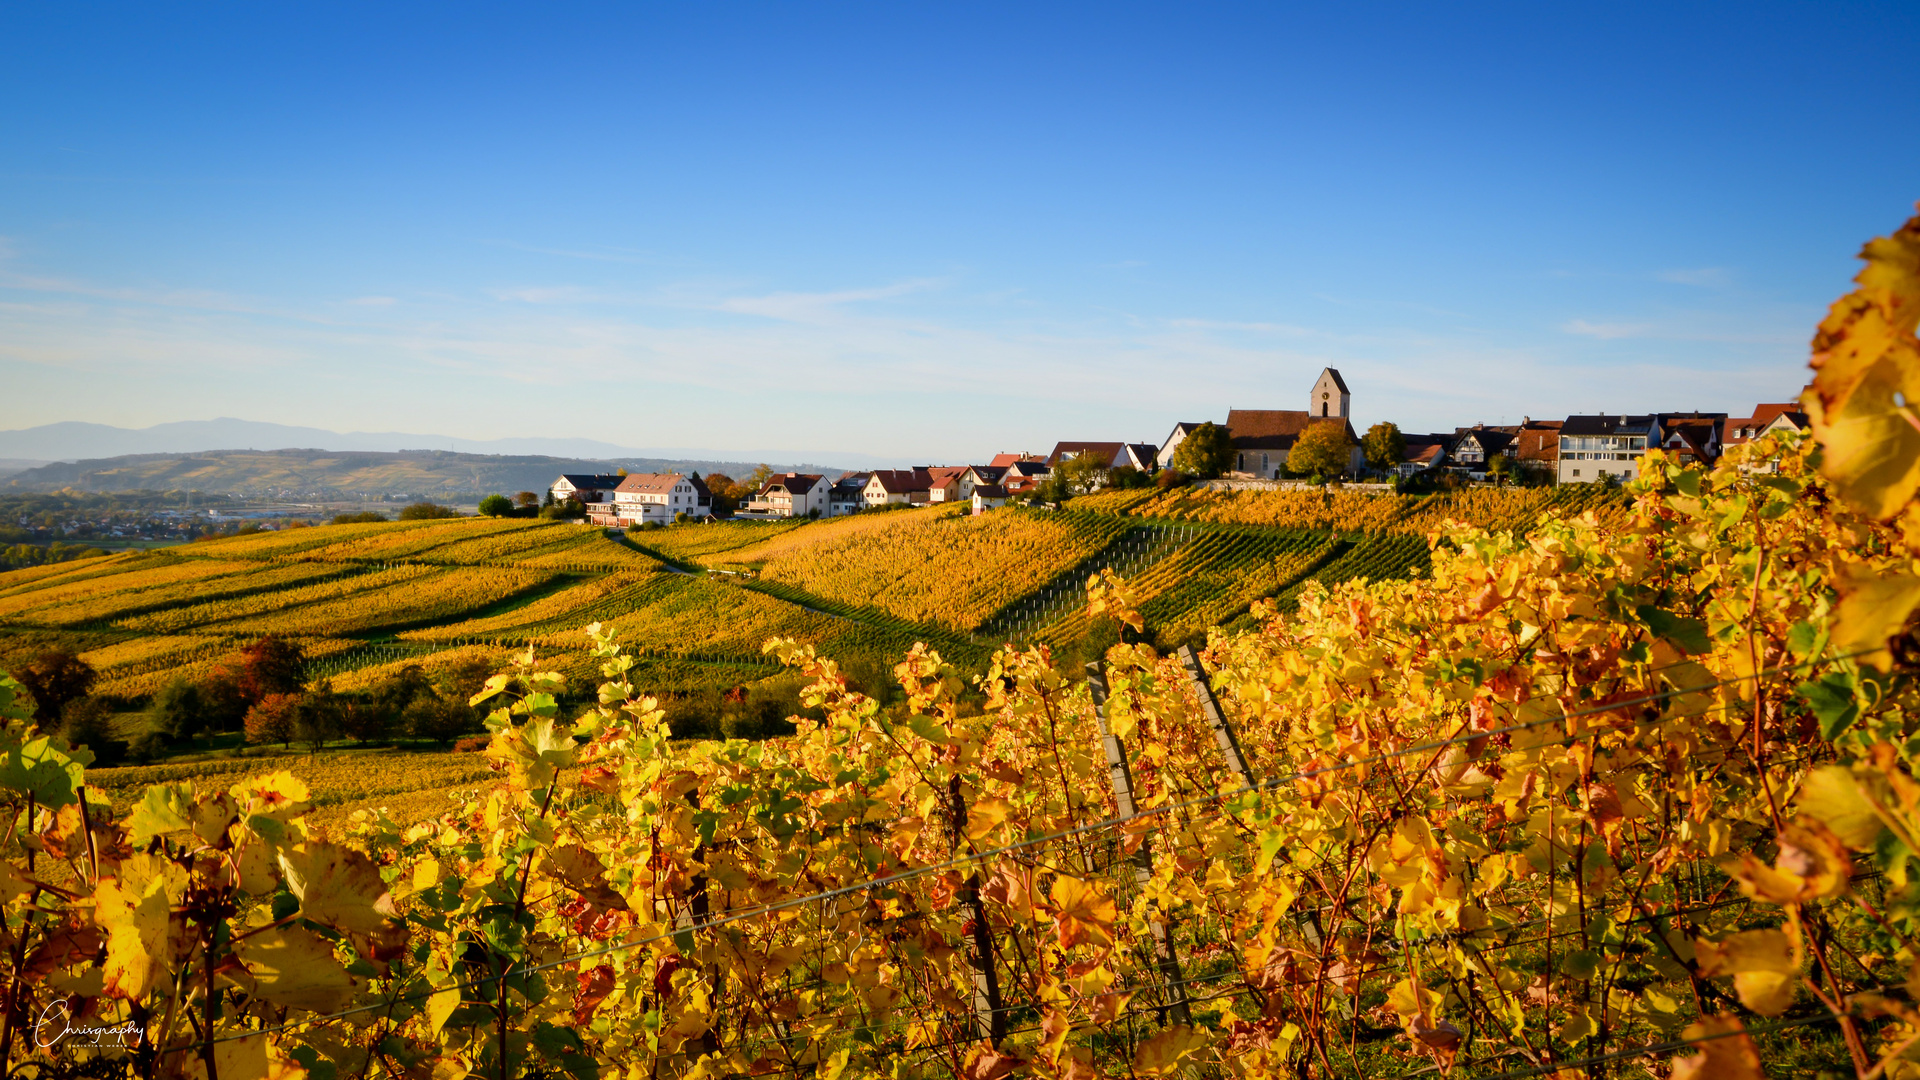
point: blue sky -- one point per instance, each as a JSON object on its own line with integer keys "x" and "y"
{"x": 933, "y": 231}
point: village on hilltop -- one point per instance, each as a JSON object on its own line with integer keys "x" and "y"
{"x": 1252, "y": 448}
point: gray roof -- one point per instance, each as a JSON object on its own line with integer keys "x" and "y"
{"x": 1610, "y": 424}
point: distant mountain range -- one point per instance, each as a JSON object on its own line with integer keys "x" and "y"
{"x": 351, "y": 475}
{"x": 77, "y": 441}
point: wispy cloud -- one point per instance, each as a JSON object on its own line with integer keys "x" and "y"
{"x": 1608, "y": 331}
{"x": 818, "y": 308}
{"x": 373, "y": 301}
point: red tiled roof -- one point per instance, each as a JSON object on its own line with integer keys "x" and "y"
{"x": 1263, "y": 423}
{"x": 1001, "y": 461}
{"x": 656, "y": 483}
{"x": 1104, "y": 451}
{"x": 901, "y": 481}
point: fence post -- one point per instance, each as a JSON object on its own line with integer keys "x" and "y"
{"x": 1121, "y": 777}
{"x": 989, "y": 1017}
{"x": 1229, "y": 742}
{"x": 1223, "y": 733}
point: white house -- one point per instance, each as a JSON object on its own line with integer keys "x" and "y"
{"x": 658, "y": 497}
{"x": 1598, "y": 447}
{"x": 1171, "y": 446}
{"x": 586, "y": 487}
{"x": 988, "y": 497}
{"x": 792, "y": 495}
{"x": 886, "y": 486}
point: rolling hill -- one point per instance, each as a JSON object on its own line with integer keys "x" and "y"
{"x": 333, "y": 475}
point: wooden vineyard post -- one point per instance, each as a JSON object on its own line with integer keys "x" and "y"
{"x": 1121, "y": 778}
{"x": 1229, "y": 742}
{"x": 989, "y": 1017}
{"x": 1222, "y": 730}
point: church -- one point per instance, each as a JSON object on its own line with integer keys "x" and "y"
{"x": 1262, "y": 438}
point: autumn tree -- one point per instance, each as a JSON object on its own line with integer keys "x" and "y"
{"x": 56, "y": 677}
{"x": 1323, "y": 451}
{"x": 1206, "y": 452}
{"x": 1385, "y": 448}
{"x": 271, "y": 719}
{"x": 271, "y": 665}
{"x": 526, "y": 500}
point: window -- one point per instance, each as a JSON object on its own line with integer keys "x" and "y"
{"x": 1576, "y": 472}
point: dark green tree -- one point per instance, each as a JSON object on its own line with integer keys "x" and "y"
{"x": 176, "y": 713}
{"x": 496, "y": 506}
{"x": 54, "y": 678}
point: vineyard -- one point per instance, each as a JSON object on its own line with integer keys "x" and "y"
{"x": 1416, "y": 825}
{"x": 939, "y": 567}
{"x": 1340, "y": 510}
{"x": 862, "y": 586}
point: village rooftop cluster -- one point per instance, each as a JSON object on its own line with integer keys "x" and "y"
{"x": 1257, "y": 448}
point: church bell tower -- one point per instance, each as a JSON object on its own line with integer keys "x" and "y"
{"x": 1330, "y": 396}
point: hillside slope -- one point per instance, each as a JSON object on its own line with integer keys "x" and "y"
{"x": 329, "y": 474}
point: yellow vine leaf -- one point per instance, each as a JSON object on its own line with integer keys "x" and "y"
{"x": 293, "y": 968}
{"x": 1082, "y": 912}
{"x": 1163, "y": 1054}
{"x": 1836, "y": 797}
{"x": 1873, "y": 608}
{"x": 985, "y": 816}
{"x": 136, "y": 910}
{"x": 337, "y": 887}
{"x": 1728, "y": 1057}
{"x": 1765, "y": 966}
{"x": 1866, "y": 384}
{"x": 251, "y": 1056}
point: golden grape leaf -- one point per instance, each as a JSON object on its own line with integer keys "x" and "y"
{"x": 1082, "y": 912}
{"x": 294, "y": 968}
{"x": 338, "y": 887}
{"x": 252, "y": 1056}
{"x": 136, "y": 910}
{"x": 585, "y": 874}
{"x": 1723, "y": 1056}
{"x": 1873, "y": 608}
{"x": 1764, "y": 964}
{"x": 1835, "y": 797}
{"x": 280, "y": 795}
{"x": 1866, "y": 381}
{"x": 985, "y": 816}
{"x": 1163, "y": 1054}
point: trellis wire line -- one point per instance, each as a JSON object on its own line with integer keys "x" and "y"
{"x": 1079, "y": 830}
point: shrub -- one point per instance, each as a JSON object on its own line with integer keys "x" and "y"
{"x": 364, "y": 517}
{"x": 472, "y": 745}
{"x": 496, "y": 506}
{"x": 426, "y": 511}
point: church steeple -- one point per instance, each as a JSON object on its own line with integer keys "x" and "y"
{"x": 1330, "y": 396}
